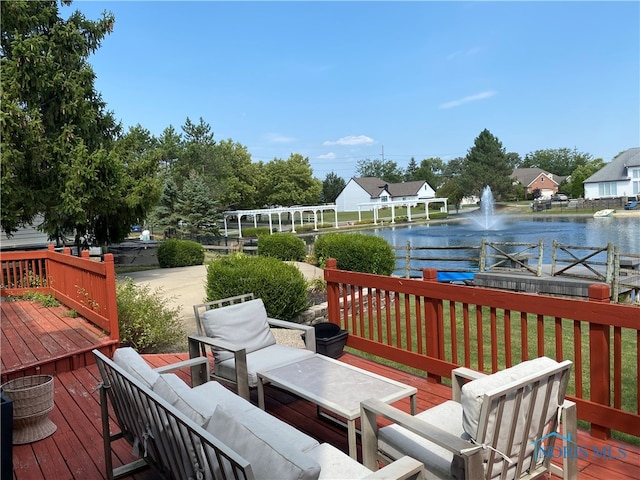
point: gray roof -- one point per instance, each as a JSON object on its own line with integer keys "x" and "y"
{"x": 375, "y": 186}
{"x": 616, "y": 169}
{"x": 372, "y": 185}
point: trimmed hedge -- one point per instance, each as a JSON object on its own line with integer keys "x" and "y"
{"x": 280, "y": 285}
{"x": 356, "y": 252}
{"x": 180, "y": 253}
{"x": 283, "y": 246}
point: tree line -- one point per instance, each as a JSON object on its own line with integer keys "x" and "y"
{"x": 64, "y": 156}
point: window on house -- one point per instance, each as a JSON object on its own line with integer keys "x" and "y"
{"x": 384, "y": 199}
{"x": 608, "y": 189}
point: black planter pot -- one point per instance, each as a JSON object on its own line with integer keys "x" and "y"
{"x": 330, "y": 339}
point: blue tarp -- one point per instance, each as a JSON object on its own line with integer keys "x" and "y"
{"x": 454, "y": 276}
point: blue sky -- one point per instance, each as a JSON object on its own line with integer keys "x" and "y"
{"x": 343, "y": 81}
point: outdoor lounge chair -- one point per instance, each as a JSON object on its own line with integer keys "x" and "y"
{"x": 238, "y": 331}
{"x": 497, "y": 426}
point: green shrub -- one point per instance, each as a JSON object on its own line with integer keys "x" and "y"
{"x": 283, "y": 246}
{"x": 180, "y": 253}
{"x": 280, "y": 285}
{"x": 255, "y": 232}
{"x": 146, "y": 322}
{"x": 356, "y": 252}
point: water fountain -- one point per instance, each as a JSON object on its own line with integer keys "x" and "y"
{"x": 487, "y": 219}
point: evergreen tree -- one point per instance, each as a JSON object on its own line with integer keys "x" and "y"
{"x": 410, "y": 173}
{"x": 196, "y": 205}
{"x": 487, "y": 163}
{"x": 58, "y": 153}
{"x": 331, "y": 187}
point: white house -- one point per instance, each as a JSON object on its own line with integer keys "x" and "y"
{"x": 618, "y": 178}
{"x": 375, "y": 190}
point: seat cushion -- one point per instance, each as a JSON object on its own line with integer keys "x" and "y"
{"x": 396, "y": 441}
{"x": 337, "y": 465}
{"x": 271, "y": 456}
{"x": 135, "y": 365}
{"x": 265, "y": 359}
{"x": 243, "y": 325}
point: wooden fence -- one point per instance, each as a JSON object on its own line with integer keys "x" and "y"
{"x": 435, "y": 327}
{"x": 85, "y": 285}
{"x": 619, "y": 270}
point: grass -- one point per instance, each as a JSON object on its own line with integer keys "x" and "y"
{"x": 552, "y": 331}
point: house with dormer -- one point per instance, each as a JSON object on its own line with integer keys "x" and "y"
{"x": 537, "y": 179}
{"x": 375, "y": 190}
{"x": 618, "y": 178}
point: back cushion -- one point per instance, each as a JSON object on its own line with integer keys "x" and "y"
{"x": 243, "y": 325}
{"x": 473, "y": 392}
{"x": 270, "y": 456}
{"x": 134, "y": 364}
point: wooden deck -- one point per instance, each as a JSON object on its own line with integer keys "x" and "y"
{"x": 75, "y": 451}
{"x": 40, "y": 340}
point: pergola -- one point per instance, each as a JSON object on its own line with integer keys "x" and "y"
{"x": 375, "y": 206}
{"x": 312, "y": 209}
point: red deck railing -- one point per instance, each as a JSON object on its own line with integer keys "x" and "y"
{"x": 80, "y": 283}
{"x": 436, "y": 327}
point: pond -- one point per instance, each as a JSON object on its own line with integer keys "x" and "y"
{"x": 567, "y": 230}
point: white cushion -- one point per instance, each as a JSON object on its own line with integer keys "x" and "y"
{"x": 134, "y": 364}
{"x": 271, "y": 457}
{"x": 243, "y": 325}
{"x": 397, "y": 441}
{"x": 261, "y": 360}
{"x": 337, "y": 465}
{"x": 273, "y": 429}
{"x": 473, "y": 392}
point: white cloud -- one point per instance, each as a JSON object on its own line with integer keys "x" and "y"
{"x": 460, "y": 53}
{"x": 351, "y": 140}
{"x": 277, "y": 138}
{"x": 470, "y": 98}
{"x": 327, "y": 156}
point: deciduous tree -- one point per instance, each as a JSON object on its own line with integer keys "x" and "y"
{"x": 386, "y": 170}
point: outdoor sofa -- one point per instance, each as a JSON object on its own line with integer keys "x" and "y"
{"x": 209, "y": 432}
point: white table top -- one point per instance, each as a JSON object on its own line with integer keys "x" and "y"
{"x": 335, "y": 385}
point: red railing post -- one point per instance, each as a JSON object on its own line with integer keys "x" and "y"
{"x": 599, "y": 361}
{"x": 112, "y": 303}
{"x": 333, "y": 294}
{"x": 432, "y": 324}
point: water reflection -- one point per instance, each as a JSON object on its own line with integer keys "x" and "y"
{"x": 570, "y": 231}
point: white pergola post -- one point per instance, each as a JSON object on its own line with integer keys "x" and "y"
{"x": 301, "y": 218}
{"x": 270, "y": 224}
{"x": 359, "y": 214}
{"x": 293, "y": 222}
{"x": 375, "y": 215}
{"x": 335, "y": 213}
{"x": 408, "y": 211}
{"x": 226, "y": 232}
{"x": 393, "y": 213}
{"x": 280, "y": 221}
{"x": 239, "y": 226}
{"x": 426, "y": 209}
{"x": 255, "y": 220}
{"x": 315, "y": 221}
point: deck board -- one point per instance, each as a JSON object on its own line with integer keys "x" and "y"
{"x": 75, "y": 450}
{"x": 36, "y": 339}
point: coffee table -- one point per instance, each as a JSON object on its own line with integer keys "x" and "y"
{"x": 336, "y": 387}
